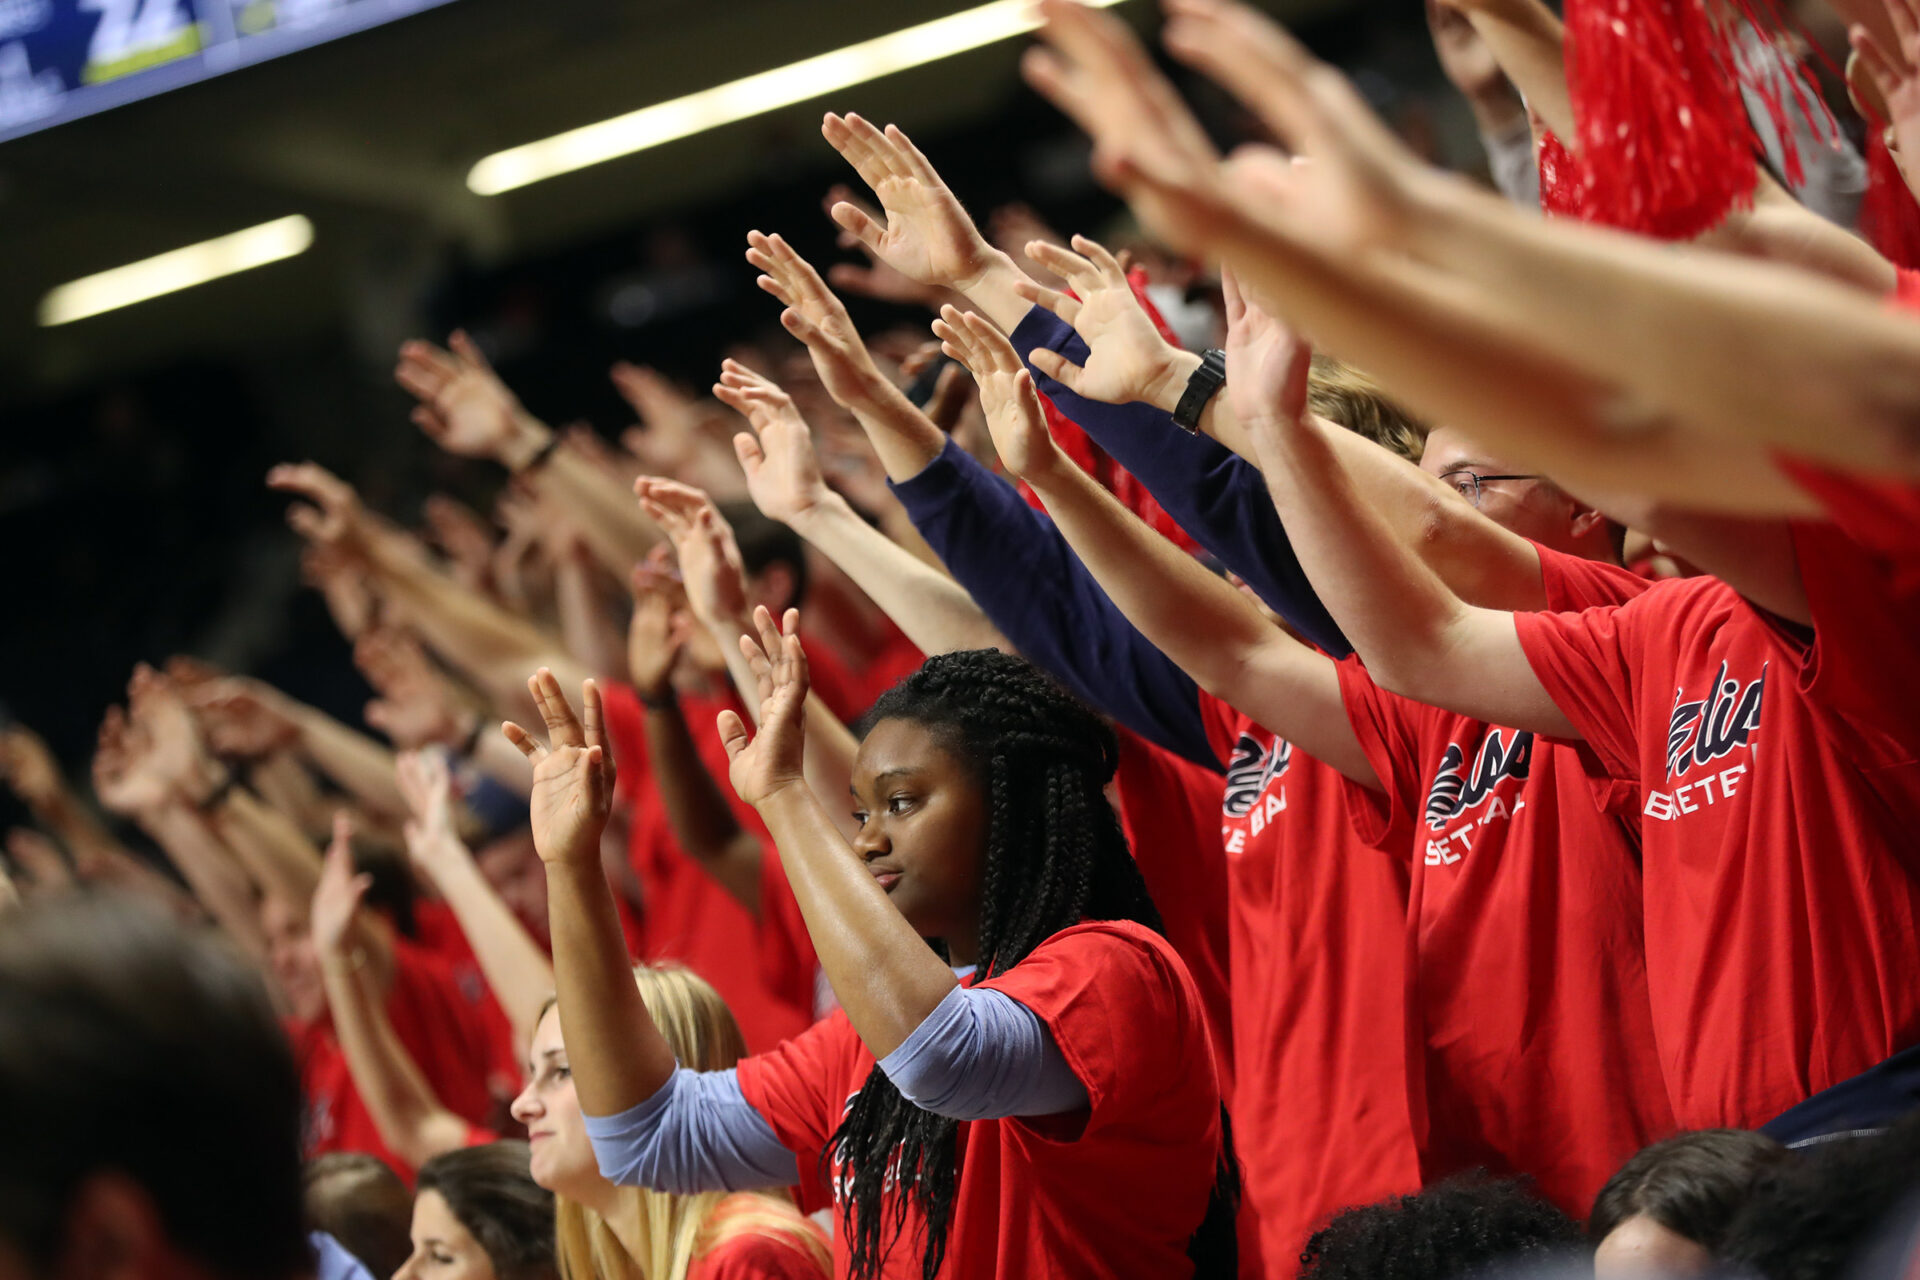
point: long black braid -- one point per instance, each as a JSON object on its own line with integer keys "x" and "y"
{"x": 1055, "y": 856}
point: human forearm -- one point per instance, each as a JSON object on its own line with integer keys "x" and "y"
{"x": 903, "y": 438}
{"x": 1201, "y": 622}
{"x": 361, "y": 766}
{"x": 585, "y": 622}
{"x": 619, "y": 1058}
{"x": 1027, "y": 581}
{"x": 934, "y": 611}
{"x": 703, "y": 824}
{"x": 410, "y": 1119}
{"x": 886, "y": 978}
{"x": 516, "y": 969}
{"x": 216, "y": 876}
{"x": 1528, "y": 42}
{"x": 1739, "y": 348}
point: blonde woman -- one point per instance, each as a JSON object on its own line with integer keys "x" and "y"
{"x": 608, "y": 1232}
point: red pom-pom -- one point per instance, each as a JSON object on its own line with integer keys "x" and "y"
{"x": 1664, "y": 144}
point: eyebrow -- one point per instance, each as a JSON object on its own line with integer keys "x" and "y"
{"x": 903, "y": 771}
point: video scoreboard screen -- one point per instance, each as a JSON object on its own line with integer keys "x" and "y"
{"x": 63, "y": 59}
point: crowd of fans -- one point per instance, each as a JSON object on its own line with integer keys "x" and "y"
{"x": 1427, "y": 782}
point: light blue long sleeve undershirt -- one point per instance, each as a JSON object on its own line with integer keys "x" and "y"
{"x": 979, "y": 1055}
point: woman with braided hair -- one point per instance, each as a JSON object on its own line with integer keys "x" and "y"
{"x": 1033, "y": 1094}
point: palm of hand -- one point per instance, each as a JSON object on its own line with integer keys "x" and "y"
{"x": 789, "y": 483}
{"x": 1125, "y": 352}
{"x": 650, "y": 648}
{"x": 478, "y": 412}
{"x": 715, "y": 591}
{"x": 569, "y": 804}
{"x": 927, "y": 234}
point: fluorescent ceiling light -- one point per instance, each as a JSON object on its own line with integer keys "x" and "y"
{"x": 178, "y": 269}
{"x": 765, "y": 91}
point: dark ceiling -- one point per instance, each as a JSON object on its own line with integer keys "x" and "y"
{"x": 372, "y": 137}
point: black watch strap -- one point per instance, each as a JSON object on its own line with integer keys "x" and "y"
{"x": 1201, "y": 386}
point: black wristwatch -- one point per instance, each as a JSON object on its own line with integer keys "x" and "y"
{"x": 1206, "y": 380}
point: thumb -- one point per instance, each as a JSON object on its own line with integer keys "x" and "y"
{"x": 1058, "y": 367}
{"x": 746, "y": 447}
{"x": 733, "y": 733}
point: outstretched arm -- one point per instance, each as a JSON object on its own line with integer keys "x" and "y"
{"x": 785, "y": 481}
{"x": 410, "y": 1118}
{"x": 618, "y": 1055}
{"x": 1417, "y": 637}
{"x": 516, "y": 969}
{"x": 466, "y": 409}
{"x": 926, "y": 236}
{"x": 887, "y": 979}
{"x": 1729, "y": 347}
{"x": 1197, "y": 619}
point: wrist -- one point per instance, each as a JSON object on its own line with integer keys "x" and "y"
{"x": 1166, "y": 388}
{"x": 991, "y": 267}
{"x": 829, "y": 505}
{"x": 528, "y": 441}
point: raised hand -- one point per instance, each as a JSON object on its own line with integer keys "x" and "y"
{"x": 661, "y": 624}
{"x": 1127, "y": 358}
{"x": 927, "y": 236}
{"x": 338, "y": 894}
{"x": 415, "y": 706}
{"x": 1267, "y": 364}
{"x": 467, "y": 539}
{"x": 876, "y": 280}
{"x": 710, "y": 566}
{"x": 239, "y": 717}
{"x": 572, "y": 773}
{"x": 122, "y": 774}
{"x": 1146, "y": 143}
{"x": 464, "y": 407}
{"x": 819, "y": 319}
{"x": 28, "y": 767}
{"x": 174, "y": 753}
{"x": 343, "y": 582}
{"x": 335, "y": 519}
{"x": 783, "y": 472}
{"x": 1006, "y": 392}
{"x": 771, "y": 760}
{"x": 1892, "y": 76}
{"x": 1352, "y": 181}
{"x": 426, "y": 785}
{"x": 45, "y": 867}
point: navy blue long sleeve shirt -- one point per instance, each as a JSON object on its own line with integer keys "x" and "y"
{"x": 1029, "y": 582}
{"x": 1218, "y": 497}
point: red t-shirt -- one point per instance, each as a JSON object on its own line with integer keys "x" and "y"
{"x": 1323, "y": 1104}
{"x": 1117, "y": 1190}
{"x": 848, "y": 683}
{"x": 1525, "y": 919}
{"x": 1168, "y": 808}
{"x": 436, "y": 1026}
{"x": 756, "y": 1254}
{"x": 438, "y": 932}
{"x": 764, "y": 970}
{"x": 1779, "y": 791}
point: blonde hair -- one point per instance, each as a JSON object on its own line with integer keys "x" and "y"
{"x": 674, "y": 1229}
{"x": 1349, "y": 398}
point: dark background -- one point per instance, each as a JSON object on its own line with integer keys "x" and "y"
{"x": 133, "y": 444}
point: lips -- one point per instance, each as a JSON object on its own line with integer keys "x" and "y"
{"x": 887, "y": 876}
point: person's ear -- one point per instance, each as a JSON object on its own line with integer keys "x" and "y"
{"x": 1588, "y": 521}
{"x": 114, "y": 1232}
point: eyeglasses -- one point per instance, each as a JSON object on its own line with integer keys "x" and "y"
{"x": 1467, "y": 483}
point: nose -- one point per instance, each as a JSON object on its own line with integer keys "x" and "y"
{"x": 525, "y": 1107}
{"x": 871, "y": 840}
{"x": 406, "y": 1271}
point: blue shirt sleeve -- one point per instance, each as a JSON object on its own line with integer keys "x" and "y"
{"x": 1023, "y": 574}
{"x": 1211, "y": 492}
{"x": 697, "y": 1133}
{"x": 982, "y": 1055}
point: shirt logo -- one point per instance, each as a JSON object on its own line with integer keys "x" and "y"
{"x": 1453, "y": 794}
{"x": 1251, "y": 769}
{"x": 1700, "y": 732}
